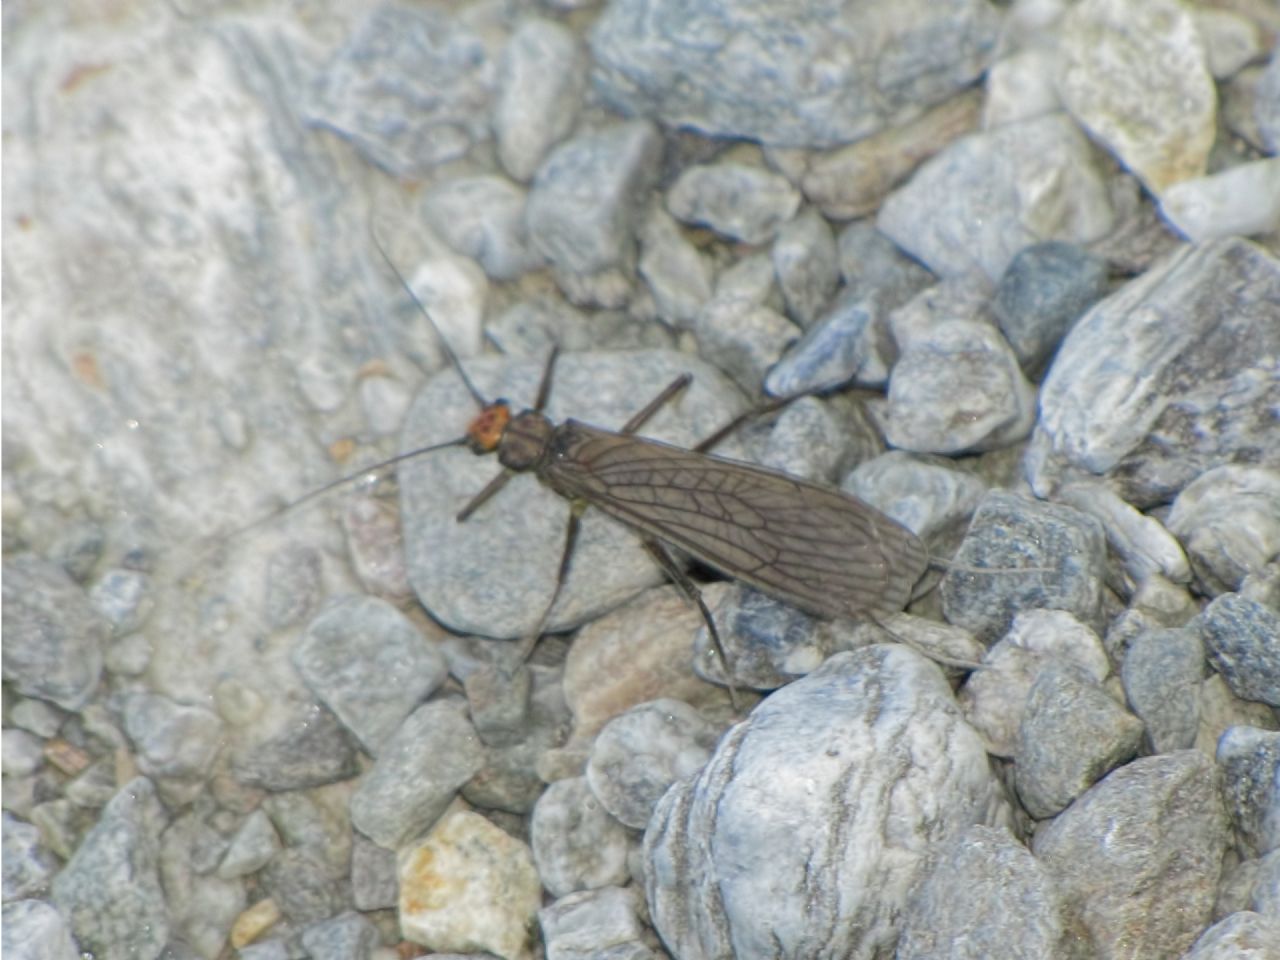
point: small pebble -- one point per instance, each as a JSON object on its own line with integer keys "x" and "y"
{"x": 1243, "y": 200}
{"x": 541, "y": 75}
{"x": 576, "y": 844}
{"x": 1240, "y": 637}
{"x": 595, "y": 923}
{"x": 34, "y": 928}
{"x": 804, "y": 259}
{"x": 1249, "y": 759}
{"x": 483, "y": 218}
{"x": 737, "y": 201}
{"x": 1162, "y": 673}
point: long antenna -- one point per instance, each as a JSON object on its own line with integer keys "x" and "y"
{"x": 444, "y": 342}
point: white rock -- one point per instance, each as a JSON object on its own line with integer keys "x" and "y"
{"x": 1244, "y": 200}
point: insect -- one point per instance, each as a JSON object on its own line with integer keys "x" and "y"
{"x": 821, "y": 550}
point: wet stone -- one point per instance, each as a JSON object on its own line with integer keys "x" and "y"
{"x": 1148, "y": 890}
{"x": 53, "y": 635}
{"x": 483, "y": 218}
{"x": 1228, "y": 519}
{"x": 123, "y": 598}
{"x": 1250, "y": 762}
{"x": 593, "y": 924}
{"x": 1242, "y": 639}
{"x": 35, "y": 929}
{"x": 1062, "y": 550}
{"x": 738, "y": 201}
{"x": 965, "y": 907}
{"x": 576, "y": 844}
{"x": 28, "y": 866}
{"x": 293, "y": 585}
{"x": 1071, "y": 734}
{"x": 313, "y": 751}
{"x": 303, "y": 886}
{"x": 373, "y": 875}
{"x": 541, "y": 75}
{"x": 1162, "y": 673}
{"x": 369, "y": 664}
{"x": 251, "y": 846}
{"x": 348, "y": 936}
{"x": 421, "y": 67}
{"x": 110, "y": 889}
{"x": 804, "y": 259}
{"x": 1046, "y": 288}
{"x": 170, "y": 739}
{"x": 639, "y": 754}
{"x": 419, "y": 771}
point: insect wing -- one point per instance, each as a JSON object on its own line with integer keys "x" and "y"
{"x": 823, "y": 551}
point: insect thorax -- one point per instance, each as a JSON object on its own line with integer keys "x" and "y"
{"x": 524, "y": 442}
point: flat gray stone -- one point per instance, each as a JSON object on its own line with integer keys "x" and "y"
{"x": 1162, "y": 673}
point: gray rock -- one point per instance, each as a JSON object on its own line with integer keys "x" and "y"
{"x": 958, "y": 388}
{"x": 170, "y": 739}
{"x": 743, "y": 340}
{"x": 746, "y": 71}
{"x": 779, "y": 811}
{"x": 1144, "y": 547}
{"x": 312, "y": 751}
{"x": 110, "y": 888}
{"x": 28, "y": 866}
{"x": 541, "y": 75}
{"x": 372, "y": 529}
{"x": 1231, "y": 40}
{"x": 1264, "y": 894}
{"x": 410, "y": 89}
{"x": 1243, "y": 200}
{"x": 1062, "y": 550}
{"x": 640, "y": 753}
{"x": 1154, "y": 405}
{"x": 1162, "y": 673}
{"x": 1229, "y": 520}
{"x": 293, "y": 585}
{"x": 374, "y": 883}
{"x": 494, "y": 574}
{"x": 985, "y": 898}
{"x": 419, "y": 770}
{"x": 1242, "y": 639}
{"x": 576, "y": 844}
{"x": 985, "y": 197}
{"x": 348, "y": 936}
{"x": 53, "y": 635}
{"x": 38, "y": 716}
{"x": 1135, "y": 76}
{"x": 1071, "y": 735}
{"x": 304, "y": 821}
{"x": 498, "y": 702}
{"x": 1250, "y": 762}
{"x": 582, "y": 207}
{"x": 206, "y": 924}
{"x": 1020, "y": 85}
{"x": 1220, "y": 710}
{"x": 1136, "y": 859}
{"x": 251, "y": 846}
{"x": 303, "y": 886}
{"x": 34, "y": 930}
{"x": 594, "y": 924}
{"x": 482, "y": 218}
{"x": 369, "y": 664}
{"x": 22, "y": 754}
{"x": 1266, "y": 105}
{"x": 1241, "y": 936}
{"x": 804, "y": 259}
{"x": 123, "y": 598}
{"x": 812, "y": 439}
{"x": 927, "y": 495}
{"x": 851, "y": 341}
{"x": 994, "y": 698}
{"x": 738, "y": 201}
{"x": 679, "y": 276}
{"x": 1047, "y": 287}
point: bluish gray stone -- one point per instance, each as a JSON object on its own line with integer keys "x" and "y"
{"x": 303, "y": 886}
{"x": 576, "y": 844}
{"x": 171, "y": 739}
{"x": 738, "y": 201}
{"x": 369, "y": 664}
{"x": 348, "y": 936}
{"x": 28, "y": 866}
{"x": 122, "y": 596}
{"x": 374, "y": 882}
{"x": 601, "y": 924}
{"x": 804, "y": 259}
{"x": 1228, "y": 519}
{"x": 1242, "y": 638}
{"x": 679, "y": 276}
{"x": 1162, "y": 673}
{"x": 293, "y": 585}
{"x": 482, "y": 217}
{"x": 34, "y": 930}
{"x": 1250, "y": 762}
{"x": 1047, "y": 287}
{"x": 53, "y": 636}
{"x": 541, "y": 75}
{"x": 1245, "y": 935}
{"x": 110, "y": 888}
{"x": 312, "y": 751}
{"x": 251, "y": 846}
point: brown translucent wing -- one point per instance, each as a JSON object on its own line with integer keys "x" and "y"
{"x": 821, "y": 550}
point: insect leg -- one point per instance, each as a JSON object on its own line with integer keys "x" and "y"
{"x": 576, "y": 509}
{"x": 739, "y": 420}
{"x": 662, "y": 555}
{"x": 490, "y": 488}
{"x": 544, "y": 388}
{"x": 656, "y": 404}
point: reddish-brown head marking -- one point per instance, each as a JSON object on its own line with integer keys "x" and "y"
{"x": 487, "y": 428}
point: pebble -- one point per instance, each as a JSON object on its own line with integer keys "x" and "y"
{"x": 1249, "y": 759}
{"x": 171, "y": 740}
{"x": 804, "y": 259}
{"x": 1047, "y": 287}
{"x": 1228, "y": 519}
{"x": 110, "y": 888}
{"x": 1220, "y": 710}
{"x": 1240, "y": 638}
{"x": 576, "y": 844}
{"x": 302, "y": 886}
{"x": 374, "y": 881}
{"x": 965, "y": 906}
{"x": 1162, "y": 673}
{"x": 53, "y": 635}
{"x": 541, "y": 75}
{"x": 251, "y": 846}
{"x": 738, "y": 201}
{"x": 368, "y": 663}
{"x": 419, "y": 771}
{"x": 1062, "y": 550}
{"x": 35, "y": 929}
{"x": 636, "y": 756}
{"x": 312, "y": 750}
{"x": 679, "y": 276}
{"x": 1266, "y": 105}
{"x": 483, "y": 218}
{"x": 420, "y": 66}
{"x": 348, "y": 936}
{"x": 582, "y": 209}
{"x": 926, "y": 495}
{"x": 22, "y": 753}
{"x": 812, "y": 439}
{"x": 1071, "y": 734}
{"x": 28, "y": 866}
{"x": 748, "y": 340}
{"x": 984, "y": 198}
{"x": 494, "y": 574}
{"x": 1241, "y": 936}
{"x": 293, "y": 585}
{"x": 1152, "y": 882}
{"x": 1243, "y": 200}
{"x": 766, "y": 801}
{"x": 384, "y": 402}
{"x": 123, "y": 599}
{"x": 1021, "y": 86}
{"x": 595, "y": 923}
{"x": 468, "y": 886}
{"x": 681, "y": 64}
{"x": 1142, "y": 544}
{"x": 376, "y": 549}
{"x": 994, "y": 698}
{"x": 1231, "y": 40}
{"x": 1135, "y": 76}
{"x": 1138, "y": 390}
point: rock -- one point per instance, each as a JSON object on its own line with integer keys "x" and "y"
{"x": 804, "y": 259}
{"x": 1229, "y": 520}
{"x": 28, "y": 866}
{"x": 483, "y": 217}
{"x": 679, "y": 276}
{"x": 1162, "y": 673}
{"x": 1242, "y": 638}
{"x": 312, "y": 751}
{"x": 541, "y": 76}
{"x": 1249, "y": 759}
{"x": 348, "y": 936}
{"x": 736, "y": 200}
{"x": 1243, "y": 200}
{"x": 1241, "y": 936}
{"x": 171, "y": 740}
{"x": 34, "y": 929}
{"x": 576, "y": 844}
{"x": 1141, "y": 543}
{"x": 593, "y": 924}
